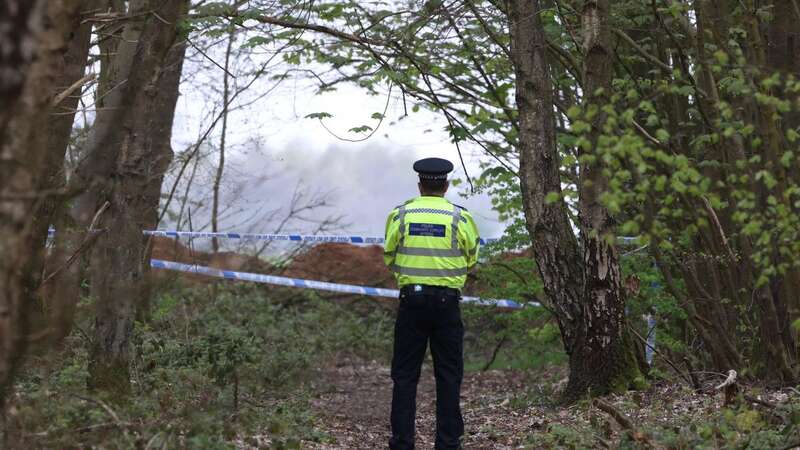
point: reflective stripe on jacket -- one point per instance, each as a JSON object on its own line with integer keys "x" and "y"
{"x": 430, "y": 241}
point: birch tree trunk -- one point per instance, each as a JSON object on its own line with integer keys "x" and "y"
{"x": 584, "y": 294}
{"x": 604, "y": 359}
{"x": 554, "y": 243}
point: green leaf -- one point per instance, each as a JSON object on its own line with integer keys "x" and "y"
{"x": 552, "y": 197}
{"x": 361, "y": 129}
{"x": 786, "y": 159}
{"x": 721, "y": 57}
{"x": 318, "y": 115}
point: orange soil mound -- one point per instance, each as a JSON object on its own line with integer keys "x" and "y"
{"x": 171, "y": 250}
{"x": 334, "y": 262}
{"x": 342, "y": 263}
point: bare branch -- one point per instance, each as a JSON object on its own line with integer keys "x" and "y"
{"x": 75, "y": 86}
{"x": 88, "y": 240}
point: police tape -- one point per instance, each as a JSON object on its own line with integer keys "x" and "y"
{"x": 360, "y": 290}
{"x": 280, "y": 237}
{"x": 305, "y": 237}
{"x": 347, "y": 239}
{"x": 317, "y": 285}
{"x": 295, "y": 237}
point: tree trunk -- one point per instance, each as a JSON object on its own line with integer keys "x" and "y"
{"x": 554, "y": 243}
{"x": 56, "y": 315}
{"x": 34, "y": 36}
{"x": 585, "y": 295}
{"x": 605, "y": 358}
{"x": 64, "y": 287}
{"x": 149, "y": 58}
{"x": 221, "y": 166}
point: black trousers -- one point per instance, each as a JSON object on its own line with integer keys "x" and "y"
{"x": 428, "y": 313}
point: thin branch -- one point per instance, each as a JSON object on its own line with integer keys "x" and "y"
{"x": 492, "y": 87}
{"x": 487, "y": 28}
{"x": 642, "y": 51}
{"x": 103, "y": 405}
{"x": 720, "y": 230}
{"x": 656, "y": 351}
{"x": 647, "y": 135}
{"x": 205, "y": 55}
{"x": 35, "y": 195}
{"x": 796, "y": 9}
{"x": 310, "y": 27}
{"x": 495, "y": 353}
{"x": 88, "y": 240}
{"x": 75, "y": 86}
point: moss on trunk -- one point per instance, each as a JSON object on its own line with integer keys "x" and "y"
{"x": 597, "y": 371}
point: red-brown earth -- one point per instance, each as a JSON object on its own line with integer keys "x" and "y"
{"x": 333, "y": 262}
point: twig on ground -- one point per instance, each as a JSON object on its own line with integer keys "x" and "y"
{"x": 104, "y": 425}
{"x": 759, "y": 401}
{"x": 624, "y": 421}
{"x": 603, "y": 443}
{"x": 618, "y": 415}
{"x": 103, "y": 405}
{"x": 793, "y": 445}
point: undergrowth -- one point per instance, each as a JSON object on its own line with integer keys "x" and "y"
{"x": 229, "y": 365}
{"x": 208, "y": 372}
{"x": 232, "y": 365}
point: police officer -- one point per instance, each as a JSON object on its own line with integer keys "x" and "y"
{"x": 430, "y": 245}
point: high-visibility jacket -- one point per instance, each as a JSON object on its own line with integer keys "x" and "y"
{"x": 430, "y": 241}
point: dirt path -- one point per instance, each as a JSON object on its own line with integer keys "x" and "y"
{"x": 354, "y": 400}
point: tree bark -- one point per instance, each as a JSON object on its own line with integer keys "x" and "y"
{"x": 604, "y": 359}
{"x": 128, "y": 157}
{"x": 34, "y": 36}
{"x": 64, "y": 289}
{"x": 585, "y": 294}
{"x": 554, "y": 243}
{"x": 56, "y": 315}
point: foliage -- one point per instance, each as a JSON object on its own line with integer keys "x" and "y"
{"x": 662, "y": 419}
{"x": 696, "y": 138}
{"x": 188, "y": 359}
{"x": 276, "y": 343}
{"x": 521, "y": 339}
{"x": 217, "y": 371}
{"x": 700, "y": 158}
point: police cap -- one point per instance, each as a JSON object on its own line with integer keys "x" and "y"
{"x": 433, "y": 168}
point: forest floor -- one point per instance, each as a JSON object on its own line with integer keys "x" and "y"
{"x": 238, "y": 367}
{"x": 355, "y": 398}
{"x": 505, "y": 409}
